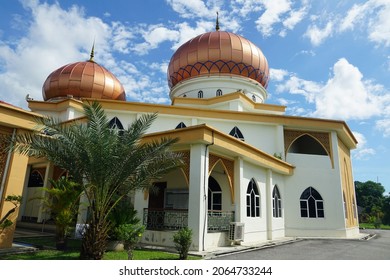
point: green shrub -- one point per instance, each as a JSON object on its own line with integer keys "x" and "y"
{"x": 182, "y": 240}
{"x": 130, "y": 235}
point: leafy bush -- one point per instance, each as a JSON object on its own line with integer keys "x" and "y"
{"x": 130, "y": 234}
{"x": 182, "y": 240}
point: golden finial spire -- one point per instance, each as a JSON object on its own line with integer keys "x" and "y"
{"x": 217, "y": 24}
{"x": 92, "y": 52}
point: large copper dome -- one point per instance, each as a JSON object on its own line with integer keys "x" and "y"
{"x": 85, "y": 79}
{"x": 218, "y": 53}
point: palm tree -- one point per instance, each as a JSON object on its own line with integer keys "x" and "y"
{"x": 107, "y": 162}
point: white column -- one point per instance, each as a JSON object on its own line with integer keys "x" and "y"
{"x": 239, "y": 191}
{"x": 198, "y": 186}
{"x": 43, "y": 213}
{"x": 269, "y": 208}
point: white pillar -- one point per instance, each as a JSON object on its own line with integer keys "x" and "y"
{"x": 43, "y": 213}
{"x": 268, "y": 204}
{"x": 198, "y": 186}
{"x": 239, "y": 191}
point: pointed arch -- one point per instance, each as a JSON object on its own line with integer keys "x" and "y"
{"x": 307, "y": 144}
{"x": 35, "y": 179}
{"x": 276, "y": 202}
{"x": 180, "y": 125}
{"x": 226, "y": 171}
{"x": 312, "y": 204}
{"x": 236, "y": 132}
{"x": 115, "y": 123}
{"x": 252, "y": 199}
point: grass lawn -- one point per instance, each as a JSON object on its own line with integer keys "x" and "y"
{"x": 371, "y": 226}
{"x": 48, "y": 252}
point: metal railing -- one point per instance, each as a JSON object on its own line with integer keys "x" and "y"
{"x": 219, "y": 220}
{"x": 174, "y": 219}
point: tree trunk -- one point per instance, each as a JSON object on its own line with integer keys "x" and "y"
{"x": 94, "y": 242}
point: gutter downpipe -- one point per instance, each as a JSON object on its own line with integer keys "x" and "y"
{"x": 2, "y": 186}
{"x": 204, "y": 192}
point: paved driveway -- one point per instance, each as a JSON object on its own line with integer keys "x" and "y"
{"x": 377, "y": 248}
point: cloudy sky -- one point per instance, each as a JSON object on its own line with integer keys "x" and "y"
{"x": 328, "y": 59}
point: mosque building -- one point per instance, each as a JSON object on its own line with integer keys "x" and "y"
{"x": 251, "y": 174}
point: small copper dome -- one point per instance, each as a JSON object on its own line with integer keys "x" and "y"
{"x": 218, "y": 53}
{"x": 85, "y": 79}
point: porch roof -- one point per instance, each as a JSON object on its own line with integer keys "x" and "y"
{"x": 224, "y": 143}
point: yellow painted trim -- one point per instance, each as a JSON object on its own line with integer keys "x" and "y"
{"x": 225, "y": 98}
{"x": 227, "y": 175}
{"x": 56, "y": 106}
{"x": 224, "y": 143}
{"x": 15, "y": 117}
{"x": 290, "y": 122}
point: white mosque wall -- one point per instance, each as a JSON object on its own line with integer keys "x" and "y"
{"x": 277, "y": 223}
{"x": 255, "y": 228}
{"x": 314, "y": 171}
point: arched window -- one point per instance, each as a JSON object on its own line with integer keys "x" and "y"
{"x": 306, "y": 144}
{"x": 35, "y": 180}
{"x": 215, "y": 195}
{"x": 276, "y": 203}
{"x": 200, "y": 94}
{"x": 236, "y": 132}
{"x": 219, "y": 92}
{"x": 115, "y": 123}
{"x": 354, "y": 208}
{"x": 252, "y": 200}
{"x": 180, "y": 125}
{"x": 312, "y": 205}
{"x": 345, "y": 206}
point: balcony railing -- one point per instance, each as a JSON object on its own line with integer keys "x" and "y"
{"x": 174, "y": 219}
{"x": 165, "y": 219}
{"x": 219, "y": 220}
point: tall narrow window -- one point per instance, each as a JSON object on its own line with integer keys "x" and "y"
{"x": 35, "y": 179}
{"x": 345, "y": 207}
{"x": 200, "y": 94}
{"x": 276, "y": 203}
{"x": 312, "y": 205}
{"x": 214, "y": 195}
{"x": 354, "y": 208}
{"x": 236, "y": 132}
{"x": 219, "y": 92}
{"x": 252, "y": 200}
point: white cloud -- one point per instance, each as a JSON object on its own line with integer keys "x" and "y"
{"x": 272, "y": 15}
{"x": 346, "y": 95}
{"x": 379, "y": 26}
{"x": 294, "y": 18}
{"x": 191, "y": 8}
{"x": 54, "y": 37}
{"x": 372, "y": 16}
{"x": 153, "y": 36}
{"x": 278, "y": 74}
{"x": 318, "y": 35}
{"x": 354, "y": 15}
{"x": 383, "y": 126}
{"x": 362, "y": 152}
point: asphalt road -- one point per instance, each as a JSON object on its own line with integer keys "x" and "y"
{"x": 376, "y": 248}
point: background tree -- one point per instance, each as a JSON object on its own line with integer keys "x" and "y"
{"x": 107, "y": 162}
{"x": 370, "y": 196}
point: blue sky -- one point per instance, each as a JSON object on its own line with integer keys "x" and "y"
{"x": 328, "y": 59}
